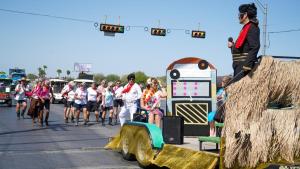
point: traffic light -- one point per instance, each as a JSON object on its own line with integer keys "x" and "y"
{"x": 158, "y": 32}
{"x": 198, "y": 34}
{"x": 111, "y": 28}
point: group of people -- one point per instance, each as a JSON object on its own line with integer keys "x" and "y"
{"x": 39, "y": 98}
{"x": 120, "y": 102}
{"x": 111, "y": 97}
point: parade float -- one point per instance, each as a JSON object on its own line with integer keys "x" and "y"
{"x": 261, "y": 128}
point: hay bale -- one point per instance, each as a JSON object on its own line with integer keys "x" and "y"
{"x": 253, "y": 133}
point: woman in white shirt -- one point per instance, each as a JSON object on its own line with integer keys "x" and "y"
{"x": 92, "y": 105}
{"x": 20, "y": 98}
{"x": 80, "y": 102}
{"x": 118, "y": 102}
{"x": 70, "y": 106}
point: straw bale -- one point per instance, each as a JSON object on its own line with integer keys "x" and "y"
{"x": 253, "y": 133}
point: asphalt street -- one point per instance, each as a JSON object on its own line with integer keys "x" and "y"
{"x": 60, "y": 145}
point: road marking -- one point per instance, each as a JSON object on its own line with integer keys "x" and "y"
{"x": 65, "y": 151}
{"x": 106, "y": 167}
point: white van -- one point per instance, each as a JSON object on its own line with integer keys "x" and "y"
{"x": 57, "y": 85}
{"x": 88, "y": 82}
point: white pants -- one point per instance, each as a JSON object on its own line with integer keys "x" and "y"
{"x": 126, "y": 111}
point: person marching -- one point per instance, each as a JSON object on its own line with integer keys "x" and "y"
{"x": 80, "y": 103}
{"x": 118, "y": 102}
{"x": 64, "y": 92}
{"x": 45, "y": 95}
{"x": 21, "y": 98}
{"x": 35, "y": 102}
{"x": 101, "y": 90}
{"x": 245, "y": 49}
{"x": 107, "y": 102}
{"x": 70, "y": 105}
{"x": 92, "y": 105}
{"x": 131, "y": 93}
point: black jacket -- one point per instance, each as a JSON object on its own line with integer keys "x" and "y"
{"x": 246, "y": 55}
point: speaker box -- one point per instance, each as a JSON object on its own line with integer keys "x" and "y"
{"x": 173, "y": 127}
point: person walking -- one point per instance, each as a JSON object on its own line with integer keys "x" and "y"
{"x": 35, "y": 102}
{"x": 80, "y": 103}
{"x": 21, "y": 98}
{"x": 45, "y": 96}
{"x": 107, "y": 102}
{"x": 118, "y": 102}
{"x": 245, "y": 49}
{"x": 92, "y": 105}
{"x": 131, "y": 93}
{"x": 64, "y": 92}
{"x": 101, "y": 90}
{"x": 70, "y": 106}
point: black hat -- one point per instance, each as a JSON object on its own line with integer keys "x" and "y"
{"x": 250, "y": 9}
{"x": 130, "y": 76}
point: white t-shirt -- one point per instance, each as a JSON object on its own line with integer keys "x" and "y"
{"x": 20, "y": 95}
{"x": 118, "y": 93}
{"x": 71, "y": 96}
{"x": 92, "y": 94}
{"x": 82, "y": 94}
{"x": 65, "y": 90}
{"x": 134, "y": 94}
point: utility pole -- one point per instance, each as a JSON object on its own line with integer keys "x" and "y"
{"x": 264, "y": 9}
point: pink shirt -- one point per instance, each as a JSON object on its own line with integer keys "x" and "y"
{"x": 45, "y": 93}
{"x": 36, "y": 91}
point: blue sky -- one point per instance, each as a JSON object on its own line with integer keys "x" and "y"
{"x": 31, "y": 41}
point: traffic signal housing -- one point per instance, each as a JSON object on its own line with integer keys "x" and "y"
{"x": 158, "y": 32}
{"x": 112, "y": 28}
{"x": 198, "y": 34}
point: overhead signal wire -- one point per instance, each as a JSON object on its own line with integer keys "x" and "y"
{"x": 96, "y": 24}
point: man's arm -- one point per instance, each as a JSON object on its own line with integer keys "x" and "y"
{"x": 254, "y": 45}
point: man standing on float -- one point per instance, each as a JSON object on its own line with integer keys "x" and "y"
{"x": 131, "y": 93}
{"x": 246, "y": 47}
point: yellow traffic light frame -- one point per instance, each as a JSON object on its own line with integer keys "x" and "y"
{"x": 112, "y": 28}
{"x": 158, "y": 32}
{"x": 198, "y": 34}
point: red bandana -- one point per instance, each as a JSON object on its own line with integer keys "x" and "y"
{"x": 127, "y": 89}
{"x": 241, "y": 39}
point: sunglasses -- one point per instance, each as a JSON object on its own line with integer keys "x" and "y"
{"x": 241, "y": 15}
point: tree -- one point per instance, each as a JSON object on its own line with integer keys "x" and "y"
{"x": 45, "y": 67}
{"x": 112, "y": 77}
{"x": 98, "y": 77}
{"x": 31, "y": 76}
{"x": 42, "y": 73}
{"x": 163, "y": 80}
{"x": 140, "y": 77}
{"x": 59, "y": 71}
{"x": 68, "y": 72}
{"x": 124, "y": 78}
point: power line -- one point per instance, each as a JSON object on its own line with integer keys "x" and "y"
{"x": 49, "y": 16}
{"x": 96, "y": 24}
{"x": 286, "y": 31}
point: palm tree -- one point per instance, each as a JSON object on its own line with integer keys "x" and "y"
{"x": 45, "y": 67}
{"x": 59, "y": 71}
{"x": 68, "y": 72}
{"x": 42, "y": 73}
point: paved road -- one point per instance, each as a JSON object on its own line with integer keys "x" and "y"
{"x": 57, "y": 146}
